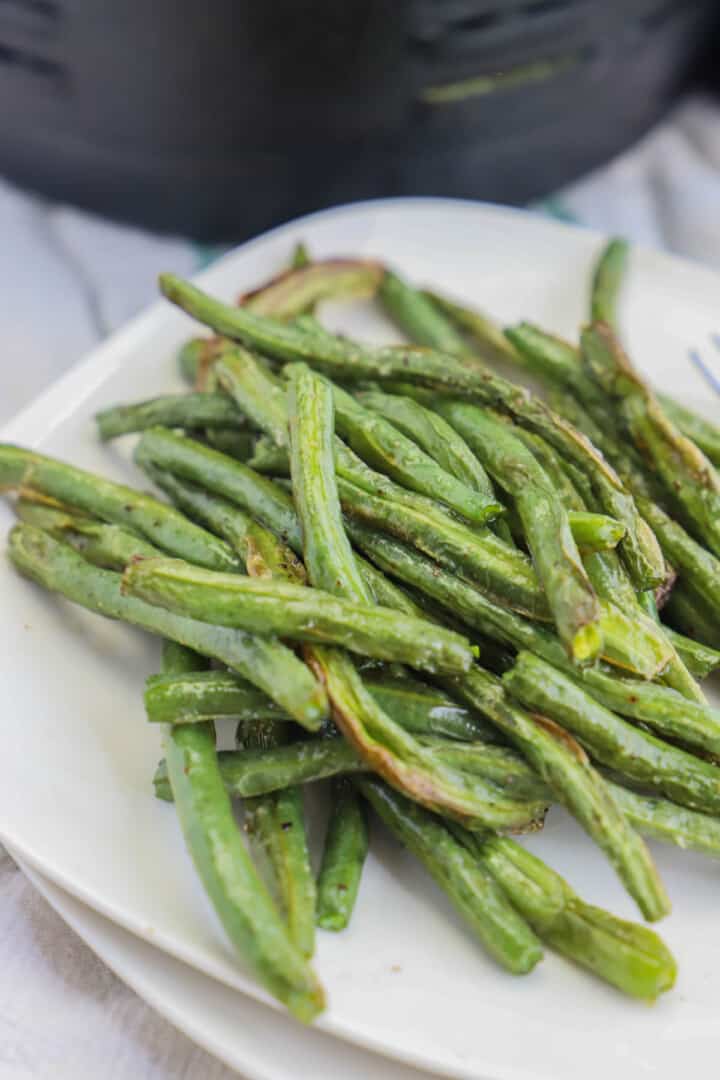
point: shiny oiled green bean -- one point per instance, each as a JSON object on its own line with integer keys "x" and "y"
{"x": 267, "y": 606}
{"x": 266, "y": 663}
{"x": 107, "y": 546}
{"x": 686, "y": 610}
{"x": 570, "y": 595}
{"x": 484, "y": 334}
{"x": 157, "y": 522}
{"x": 559, "y": 760}
{"x": 702, "y": 432}
{"x": 228, "y": 875}
{"x": 275, "y": 825}
{"x": 631, "y": 957}
{"x": 346, "y": 847}
{"x": 175, "y": 410}
{"x": 251, "y": 772}
{"x": 431, "y": 432}
{"x": 607, "y": 281}
{"x": 629, "y": 751}
{"x": 254, "y": 772}
{"x": 498, "y": 570}
{"x": 701, "y": 660}
{"x": 418, "y": 316}
{"x": 664, "y": 820}
{"x": 222, "y": 475}
{"x": 689, "y": 478}
{"x": 238, "y": 444}
{"x": 329, "y": 559}
{"x": 502, "y": 931}
{"x": 257, "y": 393}
{"x": 423, "y": 710}
{"x": 263, "y": 555}
{"x": 388, "y": 450}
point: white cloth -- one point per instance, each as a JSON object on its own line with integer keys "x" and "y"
{"x": 66, "y": 280}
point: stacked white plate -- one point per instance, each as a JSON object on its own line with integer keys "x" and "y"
{"x": 406, "y": 980}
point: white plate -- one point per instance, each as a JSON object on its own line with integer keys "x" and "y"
{"x": 76, "y": 800}
{"x": 239, "y": 1031}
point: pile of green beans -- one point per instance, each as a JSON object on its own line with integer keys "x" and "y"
{"x": 402, "y": 577}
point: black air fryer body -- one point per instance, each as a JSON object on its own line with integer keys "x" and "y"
{"x": 219, "y": 119}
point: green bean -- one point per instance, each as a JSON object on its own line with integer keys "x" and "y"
{"x": 107, "y": 546}
{"x": 402, "y": 760}
{"x": 257, "y": 393}
{"x": 275, "y": 825}
{"x": 701, "y": 660}
{"x": 230, "y": 880}
{"x": 485, "y": 335}
{"x": 267, "y": 606}
{"x": 557, "y": 561}
{"x": 418, "y": 708}
{"x": 563, "y": 765}
{"x": 703, "y": 432}
{"x": 385, "y": 448}
{"x": 346, "y": 846}
{"x": 209, "y": 695}
{"x": 386, "y": 592}
{"x": 301, "y": 288}
{"x": 616, "y": 744}
{"x": 556, "y": 469}
{"x": 328, "y": 556}
{"x": 498, "y": 570}
{"x": 267, "y": 664}
{"x": 269, "y": 458}
{"x": 174, "y": 410}
{"x": 260, "y": 771}
{"x": 155, "y": 521}
{"x": 687, "y": 611}
{"x": 594, "y": 532}
{"x": 628, "y": 956}
{"x": 643, "y": 635}
{"x": 433, "y": 434}
{"x": 632, "y": 641}
{"x": 238, "y": 444}
{"x": 500, "y": 765}
{"x": 607, "y": 280}
{"x": 263, "y": 555}
{"x": 689, "y": 478}
{"x": 661, "y": 708}
{"x": 346, "y": 359}
{"x": 254, "y": 772}
{"x": 471, "y": 889}
{"x": 696, "y": 566}
{"x": 418, "y": 316}
{"x": 222, "y": 475}
{"x": 663, "y": 820}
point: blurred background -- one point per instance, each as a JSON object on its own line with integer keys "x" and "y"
{"x": 137, "y": 137}
{"x": 218, "y": 120}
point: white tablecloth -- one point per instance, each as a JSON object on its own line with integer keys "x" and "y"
{"x": 67, "y": 280}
